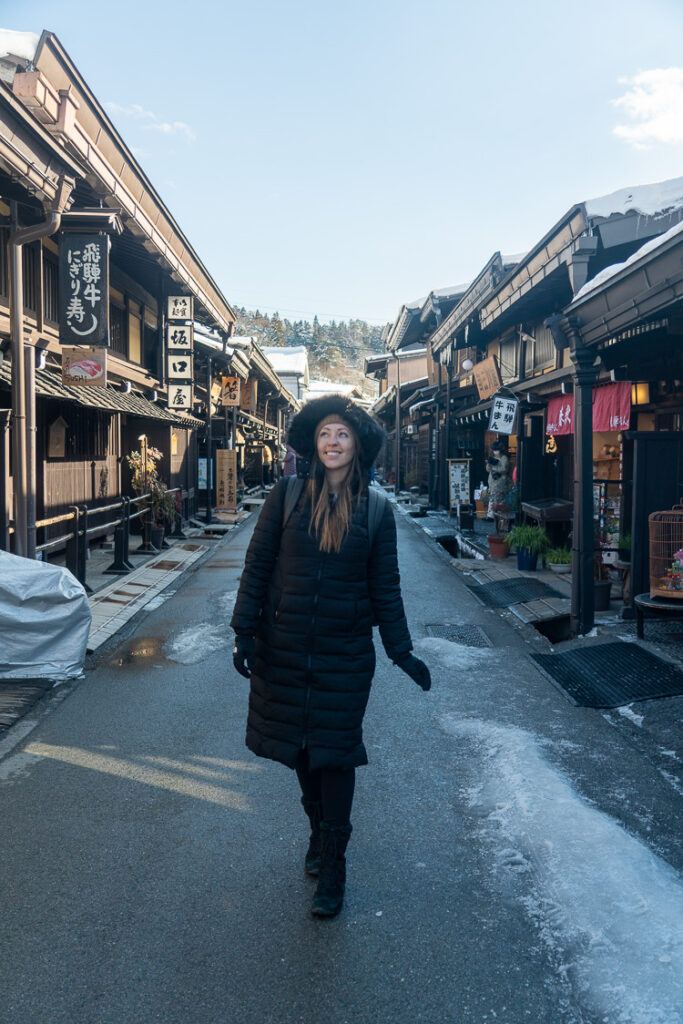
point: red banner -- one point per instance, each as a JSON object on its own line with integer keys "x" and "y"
{"x": 611, "y": 410}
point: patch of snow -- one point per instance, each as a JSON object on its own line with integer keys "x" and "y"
{"x": 609, "y": 910}
{"x": 226, "y": 603}
{"x": 669, "y": 753}
{"x": 291, "y": 359}
{"x": 672, "y": 780}
{"x": 455, "y": 656}
{"x": 20, "y": 44}
{"x": 514, "y": 258}
{"x": 157, "y": 602}
{"x": 639, "y": 254}
{"x": 196, "y": 643}
{"x": 628, "y": 712}
{"x": 645, "y": 199}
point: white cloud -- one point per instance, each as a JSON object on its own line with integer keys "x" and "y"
{"x": 653, "y": 105}
{"x": 150, "y": 120}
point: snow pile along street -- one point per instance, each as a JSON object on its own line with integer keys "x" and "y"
{"x": 607, "y": 908}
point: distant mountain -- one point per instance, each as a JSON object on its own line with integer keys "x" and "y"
{"x": 335, "y": 350}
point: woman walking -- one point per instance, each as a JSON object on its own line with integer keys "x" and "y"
{"x": 317, "y": 575}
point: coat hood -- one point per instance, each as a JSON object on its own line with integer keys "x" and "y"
{"x": 302, "y": 429}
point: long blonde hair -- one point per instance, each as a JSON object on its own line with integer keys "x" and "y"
{"x": 330, "y": 523}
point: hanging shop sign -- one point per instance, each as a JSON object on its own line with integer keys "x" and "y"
{"x": 249, "y": 396}
{"x": 180, "y": 396}
{"x": 226, "y": 479}
{"x": 84, "y": 289}
{"x": 180, "y": 337}
{"x": 179, "y": 367}
{"x": 84, "y": 366}
{"x": 230, "y": 391}
{"x": 458, "y": 482}
{"x": 503, "y": 414}
{"x": 180, "y": 307}
{"x": 487, "y": 377}
{"x": 611, "y": 410}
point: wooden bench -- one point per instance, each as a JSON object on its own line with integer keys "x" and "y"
{"x": 655, "y": 608}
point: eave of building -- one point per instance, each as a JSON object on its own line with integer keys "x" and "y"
{"x": 488, "y": 278}
{"x": 95, "y": 141}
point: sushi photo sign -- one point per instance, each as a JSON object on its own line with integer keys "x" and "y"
{"x": 84, "y": 366}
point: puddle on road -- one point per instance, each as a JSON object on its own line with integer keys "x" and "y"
{"x": 141, "y": 651}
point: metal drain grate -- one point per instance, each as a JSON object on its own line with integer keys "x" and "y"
{"x": 503, "y": 593}
{"x": 467, "y": 635}
{"x": 610, "y": 675}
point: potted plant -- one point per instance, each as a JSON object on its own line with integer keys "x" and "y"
{"x": 162, "y": 504}
{"x": 625, "y": 548}
{"x": 559, "y": 560}
{"x": 602, "y": 584}
{"x": 498, "y": 546}
{"x": 529, "y": 542}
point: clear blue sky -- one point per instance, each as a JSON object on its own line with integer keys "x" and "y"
{"x": 343, "y": 158}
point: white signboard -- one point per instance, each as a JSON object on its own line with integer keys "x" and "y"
{"x": 179, "y": 367}
{"x": 503, "y": 414}
{"x": 180, "y": 396}
{"x": 180, "y": 307}
{"x": 180, "y": 337}
{"x": 458, "y": 482}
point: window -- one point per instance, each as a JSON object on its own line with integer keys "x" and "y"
{"x": 150, "y": 348}
{"x": 508, "y": 360}
{"x": 134, "y": 333}
{"x": 118, "y": 329}
{"x": 31, "y": 283}
{"x": 4, "y": 256}
{"x": 50, "y": 289}
{"x": 540, "y": 353}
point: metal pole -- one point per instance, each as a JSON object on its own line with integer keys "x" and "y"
{"x": 447, "y": 429}
{"x": 5, "y": 512}
{"x": 397, "y": 439}
{"x": 19, "y": 466}
{"x": 583, "y": 592}
{"x": 209, "y": 444}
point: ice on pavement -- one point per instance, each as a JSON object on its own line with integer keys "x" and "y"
{"x": 628, "y": 712}
{"x": 196, "y": 642}
{"x": 458, "y": 656}
{"x": 609, "y": 910}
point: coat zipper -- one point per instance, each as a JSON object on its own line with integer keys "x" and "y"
{"x": 308, "y": 673}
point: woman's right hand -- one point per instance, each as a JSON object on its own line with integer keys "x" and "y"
{"x": 416, "y": 669}
{"x": 244, "y": 655}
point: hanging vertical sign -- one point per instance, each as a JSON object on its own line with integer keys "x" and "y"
{"x": 84, "y": 289}
{"x": 180, "y": 351}
{"x": 503, "y": 413}
{"x": 226, "y": 479}
{"x": 249, "y": 395}
{"x": 230, "y": 391}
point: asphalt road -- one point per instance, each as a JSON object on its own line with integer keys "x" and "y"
{"x": 152, "y": 867}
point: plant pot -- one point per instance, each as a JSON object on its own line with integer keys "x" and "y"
{"x": 498, "y": 548}
{"x": 603, "y": 590}
{"x": 526, "y": 561}
{"x": 560, "y": 567}
{"x": 156, "y": 536}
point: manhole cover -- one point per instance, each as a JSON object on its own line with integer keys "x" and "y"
{"x": 468, "y": 636}
{"x": 223, "y": 564}
{"x": 610, "y": 675}
{"x": 503, "y": 593}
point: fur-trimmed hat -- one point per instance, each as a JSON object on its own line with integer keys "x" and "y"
{"x": 303, "y": 427}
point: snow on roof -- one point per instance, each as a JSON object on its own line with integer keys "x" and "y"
{"x": 616, "y": 268}
{"x": 456, "y": 289}
{"x": 318, "y": 388}
{"x": 516, "y": 257}
{"x": 290, "y": 359}
{"x": 644, "y": 199}
{"x": 19, "y": 44}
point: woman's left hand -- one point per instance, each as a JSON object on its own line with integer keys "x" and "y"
{"x": 416, "y": 669}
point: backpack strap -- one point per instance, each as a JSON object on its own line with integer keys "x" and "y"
{"x": 376, "y": 505}
{"x": 293, "y": 492}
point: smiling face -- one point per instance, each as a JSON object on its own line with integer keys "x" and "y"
{"x": 335, "y": 445}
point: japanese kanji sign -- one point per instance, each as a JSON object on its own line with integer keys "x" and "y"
{"x": 84, "y": 289}
{"x": 179, "y": 367}
{"x": 180, "y": 396}
{"x": 180, "y": 307}
{"x": 487, "y": 377}
{"x": 230, "y": 391}
{"x": 458, "y": 482}
{"x": 249, "y": 396}
{"x": 180, "y": 336}
{"x": 503, "y": 413}
{"x": 84, "y": 365}
{"x": 226, "y": 479}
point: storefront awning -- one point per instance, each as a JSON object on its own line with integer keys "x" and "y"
{"x": 611, "y": 410}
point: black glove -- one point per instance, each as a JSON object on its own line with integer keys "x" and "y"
{"x": 244, "y": 655}
{"x": 416, "y": 669}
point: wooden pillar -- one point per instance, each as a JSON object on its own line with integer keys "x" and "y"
{"x": 5, "y": 488}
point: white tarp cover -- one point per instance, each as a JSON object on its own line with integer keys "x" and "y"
{"x": 44, "y": 620}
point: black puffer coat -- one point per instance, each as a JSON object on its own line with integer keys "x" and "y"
{"x": 312, "y": 614}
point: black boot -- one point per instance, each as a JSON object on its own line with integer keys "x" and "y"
{"x": 314, "y": 811}
{"x": 329, "y": 894}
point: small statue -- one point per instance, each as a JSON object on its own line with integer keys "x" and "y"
{"x": 498, "y": 467}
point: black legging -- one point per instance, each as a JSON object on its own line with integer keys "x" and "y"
{"x": 333, "y": 787}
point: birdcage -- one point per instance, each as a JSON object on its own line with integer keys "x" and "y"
{"x": 666, "y": 553}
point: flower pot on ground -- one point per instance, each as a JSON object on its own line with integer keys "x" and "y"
{"x": 498, "y": 546}
{"x": 156, "y": 535}
{"x": 529, "y": 542}
{"x": 559, "y": 560}
{"x": 603, "y": 591}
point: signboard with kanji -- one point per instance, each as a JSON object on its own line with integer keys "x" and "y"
{"x": 179, "y": 367}
{"x": 180, "y": 307}
{"x": 458, "y": 482}
{"x": 180, "y": 337}
{"x": 84, "y": 289}
{"x": 84, "y": 365}
{"x": 230, "y": 391}
{"x": 487, "y": 377}
{"x": 180, "y": 396}
{"x": 503, "y": 414}
{"x": 249, "y": 396}
{"x": 226, "y": 479}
